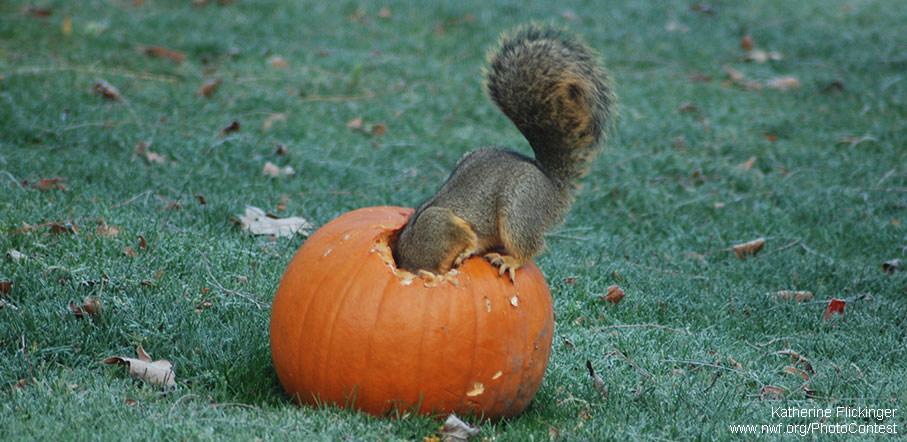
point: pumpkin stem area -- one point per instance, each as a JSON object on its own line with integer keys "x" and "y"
{"x": 384, "y": 246}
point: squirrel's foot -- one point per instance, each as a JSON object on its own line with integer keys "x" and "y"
{"x": 504, "y": 263}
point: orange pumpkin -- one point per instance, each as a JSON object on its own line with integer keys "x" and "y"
{"x": 350, "y": 329}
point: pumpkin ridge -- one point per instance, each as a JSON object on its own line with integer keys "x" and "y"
{"x": 371, "y": 339}
{"x": 330, "y": 336}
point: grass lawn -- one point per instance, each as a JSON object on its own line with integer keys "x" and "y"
{"x": 708, "y": 153}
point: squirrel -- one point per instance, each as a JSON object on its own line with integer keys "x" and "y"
{"x": 499, "y": 202}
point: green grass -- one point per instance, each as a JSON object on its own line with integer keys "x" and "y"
{"x": 667, "y": 187}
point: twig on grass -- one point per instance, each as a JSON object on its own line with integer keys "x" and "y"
{"x": 247, "y": 296}
{"x": 685, "y": 332}
{"x": 641, "y": 370}
{"x": 130, "y": 200}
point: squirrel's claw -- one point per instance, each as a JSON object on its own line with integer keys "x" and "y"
{"x": 504, "y": 263}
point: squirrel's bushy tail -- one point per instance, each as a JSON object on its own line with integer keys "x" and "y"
{"x": 555, "y": 91}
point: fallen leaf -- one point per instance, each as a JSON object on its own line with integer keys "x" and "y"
{"x": 91, "y": 307}
{"x": 570, "y": 280}
{"x": 355, "y": 123}
{"x": 20, "y": 384}
{"x": 771, "y": 393}
{"x": 614, "y": 295}
{"x": 208, "y": 88}
{"x": 257, "y": 222}
{"x": 378, "y": 130}
{"x": 129, "y": 251}
{"x": 142, "y": 242}
{"x": 15, "y": 255}
{"x": 751, "y": 248}
{"x": 143, "y": 150}
{"x": 272, "y": 170}
{"x": 162, "y": 52}
{"x": 384, "y": 12}
{"x": 157, "y": 373}
{"x": 891, "y": 266}
{"x": 770, "y": 137}
{"x": 273, "y": 118}
{"x": 52, "y": 183}
{"x": 5, "y": 287}
{"x": 746, "y": 42}
{"x": 67, "y": 228}
{"x": 107, "y": 90}
{"x": 799, "y": 358}
{"x": 748, "y": 164}
{"x": 230, "y": 128}
{"x": 734, "y": 363}
{"x": 201, "y": 199}
{"x": 567, "y": 342}
{"x": 278, "y": 62}
{"x": 597, "y": 383}
{"x": 455, "y": 430}
{"x": 783, "y": 83}
{"x": 106, "y": 230}
{"x": 281, "y": 149}
{"x": 797, "y": 371}
{"x": 835, "y": 306}
{"x": 787, "y": 295}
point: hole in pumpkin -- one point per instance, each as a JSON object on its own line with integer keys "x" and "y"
{"x": 384, "y": 246}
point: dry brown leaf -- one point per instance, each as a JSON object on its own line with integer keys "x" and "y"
{"x": 379, "y": 129}
{"x": 799, "y": 358}
{"x": 142, "y": 242}
{"x": 107, "y": 90}
{"x": 455, "y": 430}
{"x": 258, "y": 222}
{"x": 129, "y": 251}
{"x": 783, "y": 83}
{"x": 787, "y": 295}
{"x": 597, "y": 383}
{"x": 66, "y": 228}
{"x": 614, "y": 295}
{"x": 38, "y": 11}
{"x": 273, "y": 118}
{"x": 273, "y": 170}
{"x": 162, "y": 52}
{"x": 91, "y": 307}
{"x": 208, "y": 88}
{"x": 384, "y": 12}
{"x": 751, "y": 248}
{"x": 143, "y": 150}
{"x": 891, "y": 266}
{"x": 5, "y": 287}
{"x": 797, "y": 371}
{"x": 746, "y": 42}
{"x": 281, "y": 149}
{"x": 567, "y": 341}
{"x": 157, "y": 373}
{"x": 106, "y": 230}
{"x": 748, "y": 164}
{"x": 771, "y": 393}
{"x": 355, "y": 124}
{"x": 230, "y": 128}
{"x": 201, "y": 199}
{"x": 278, "y": 62}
